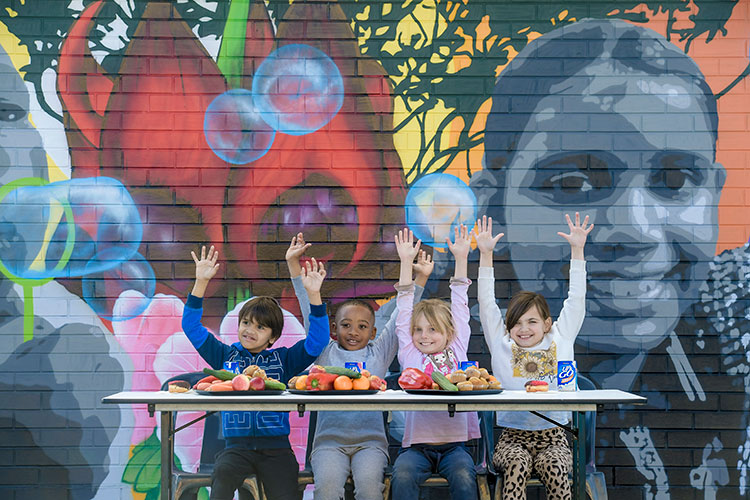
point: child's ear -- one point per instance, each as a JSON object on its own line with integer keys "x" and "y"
{"x": 374, "y": 332}
{"x": 547, "y": 325}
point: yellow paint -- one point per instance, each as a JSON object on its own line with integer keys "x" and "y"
{"x": 55, "y": 216}
{"x": 11, "y": 12}
{"x": 19, "y": 55}
{"x": 54, "y": 172}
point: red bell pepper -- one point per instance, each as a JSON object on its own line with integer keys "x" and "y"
{"x": 320, "y": 381}
{"x": 413, "y": 378}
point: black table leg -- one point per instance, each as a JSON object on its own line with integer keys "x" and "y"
{"x": 167, "y": 451}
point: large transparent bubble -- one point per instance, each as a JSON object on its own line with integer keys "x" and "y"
{"x": 55, "y": 230}
{"x": 298, "y": 89}
{"x": 101, "y": 289}
{"x": 235, "y": 130}
{"x": 436, "y": 204}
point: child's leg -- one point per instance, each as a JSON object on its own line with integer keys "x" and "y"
{"x": 410, "y": 469}
{"x": 368, "y": 466}
{"x": 278, "y": 471}
{"x": 513, "y": 458}
{"x": 553, "y": 463}
{"x": 231, "y": 467}
{"x": 457, "y": 466}
{"x": 330, "y": 469}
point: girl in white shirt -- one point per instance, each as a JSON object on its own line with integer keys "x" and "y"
{"x": 527, "y": 348}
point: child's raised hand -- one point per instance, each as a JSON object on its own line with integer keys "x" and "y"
{"x": 462, "y": 245}
{"x": 483, "y": 233}
{"x": 578, "y": 231}
{"x": 405, "y": 245}
{"x": 206, "y": 267}
{"x": 424, "y": 265}
{"x": 297, "y": 247}
{"x": 313, "y": 274}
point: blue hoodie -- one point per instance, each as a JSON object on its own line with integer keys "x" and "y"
{"x": 256, "y": 429}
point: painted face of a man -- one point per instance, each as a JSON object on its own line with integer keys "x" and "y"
{"x": 636, "y": 152}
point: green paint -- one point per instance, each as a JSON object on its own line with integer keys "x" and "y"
{"x": 231, "y": 59}
{"x": 29, "y": 283}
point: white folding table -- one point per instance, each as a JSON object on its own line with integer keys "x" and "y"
{"x": 577, "y": 402}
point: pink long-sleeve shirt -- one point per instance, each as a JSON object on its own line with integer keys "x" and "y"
{"x": 433, "y": 427}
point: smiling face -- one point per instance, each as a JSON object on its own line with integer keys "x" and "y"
{"x": 253, "y": 336}
{"x": 652, "y": 195}
{"x": 530, "y": 328}
{"x": 354, "y": 327}
{"x": 426, "y": 338}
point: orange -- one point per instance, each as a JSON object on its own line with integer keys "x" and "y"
{"x": 342, "y": 383}
{"x": 301, "y": 383}
{"x": 361, "y": 383}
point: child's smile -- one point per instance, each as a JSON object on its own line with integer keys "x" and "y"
{"x": 426, "y": 338}
{"x": 354, "y": 327}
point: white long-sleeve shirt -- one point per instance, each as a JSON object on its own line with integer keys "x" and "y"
{"x": 514, "y": 365}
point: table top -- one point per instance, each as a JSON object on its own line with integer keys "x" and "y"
{"x": 385, "y": 400}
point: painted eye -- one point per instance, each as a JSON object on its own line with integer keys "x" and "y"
{"x": 11, "y": 113}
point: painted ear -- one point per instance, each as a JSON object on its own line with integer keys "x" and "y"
{"x": 485, "y": 185}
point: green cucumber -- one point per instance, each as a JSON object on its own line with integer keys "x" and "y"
{"x": 443, "y": 382}
{"x": 274, "y": 385}
{"x": 337, "y": 370}
{"x": 220, "y": 374}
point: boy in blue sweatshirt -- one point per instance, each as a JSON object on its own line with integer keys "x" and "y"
{"x": 257, "y": 442}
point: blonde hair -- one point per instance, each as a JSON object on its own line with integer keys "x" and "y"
{"x": 438, "y": 315}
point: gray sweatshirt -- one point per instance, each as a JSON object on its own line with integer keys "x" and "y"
{"x": 336, "y": 429}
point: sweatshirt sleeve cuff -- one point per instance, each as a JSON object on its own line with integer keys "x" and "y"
{"x": 318, "y": 310}
{"x": 460, "y": 281}
{"x": 404, "y": 288}
{"x": 575, "y": 264}
{"x": 486, "y": 272}
{"x": 194, "y": 302}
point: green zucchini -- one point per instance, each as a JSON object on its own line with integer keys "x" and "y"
{"x": 274, "y": 385}
{"x": 443, "y": 382}
{"x": 220, "y": 374}
{"x": 338, "y": 370}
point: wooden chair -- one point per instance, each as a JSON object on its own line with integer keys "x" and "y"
{"x": 596, "y": 488}
{"x": 185, "y": 485}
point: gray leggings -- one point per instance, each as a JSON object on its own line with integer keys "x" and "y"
{"x": 546, "y": 451}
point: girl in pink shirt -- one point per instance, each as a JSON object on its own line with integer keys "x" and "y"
{"x": 434, "y": 335}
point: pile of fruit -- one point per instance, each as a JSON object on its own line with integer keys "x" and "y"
{"x": 253, "y": 378}
{"x": 335, "y": 378}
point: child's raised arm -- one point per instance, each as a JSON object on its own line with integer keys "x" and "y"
{"x": 578, "y": 234}
{"x": 296, "y": 249}
{"x": 313, "y": 275}
{"x": 407, "y": 250}
{"x": 460, "y": 250}
{"x": 485, "y": 241}
{"x": 493, "y": 326}
{"x": 423, "y": 268}
{"x": 205, "y": 269}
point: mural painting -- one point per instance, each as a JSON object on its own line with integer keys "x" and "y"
{"x": 134, "y": 131}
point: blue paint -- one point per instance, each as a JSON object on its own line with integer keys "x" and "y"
{"x": 101, "y": 289}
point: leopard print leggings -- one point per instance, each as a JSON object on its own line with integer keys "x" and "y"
{"x": 546, "y": 451}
